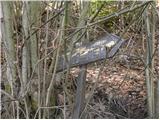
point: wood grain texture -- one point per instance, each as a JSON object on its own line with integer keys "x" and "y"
{"x": 103, "y": 48}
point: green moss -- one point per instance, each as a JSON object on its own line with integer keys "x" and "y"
{"x": 52, "y": 100}
{"x": 34, "y": 104}
{"x": 8, "y": 88}
{"x": 52, "y": 103}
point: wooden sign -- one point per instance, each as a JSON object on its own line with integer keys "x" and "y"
{"x": 103, "y": 48}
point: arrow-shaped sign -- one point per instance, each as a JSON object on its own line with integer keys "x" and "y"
{"x": 103, "y": 48}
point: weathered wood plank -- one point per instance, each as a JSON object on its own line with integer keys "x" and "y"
{"x": 82, "y": 57}
{"x": 114, "y": 49}
{"x": 103, "y": 48}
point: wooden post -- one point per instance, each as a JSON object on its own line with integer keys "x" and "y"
{"x": 86, "y": 54}
{"x": 80, "y": 94}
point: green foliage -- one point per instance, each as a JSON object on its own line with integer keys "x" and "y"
{"x": 101, "y": 1}
{"x": 108, "y": 8}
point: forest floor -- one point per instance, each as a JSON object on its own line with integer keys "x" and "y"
{"x": 120, "y": 90}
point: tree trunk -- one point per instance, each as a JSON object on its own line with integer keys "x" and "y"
{"x": 9, "y": 43}
{"x": 149, "y": 69}
{"x": 34, "y": 17}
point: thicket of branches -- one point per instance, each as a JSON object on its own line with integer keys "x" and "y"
{"x": 35, "y": 34}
